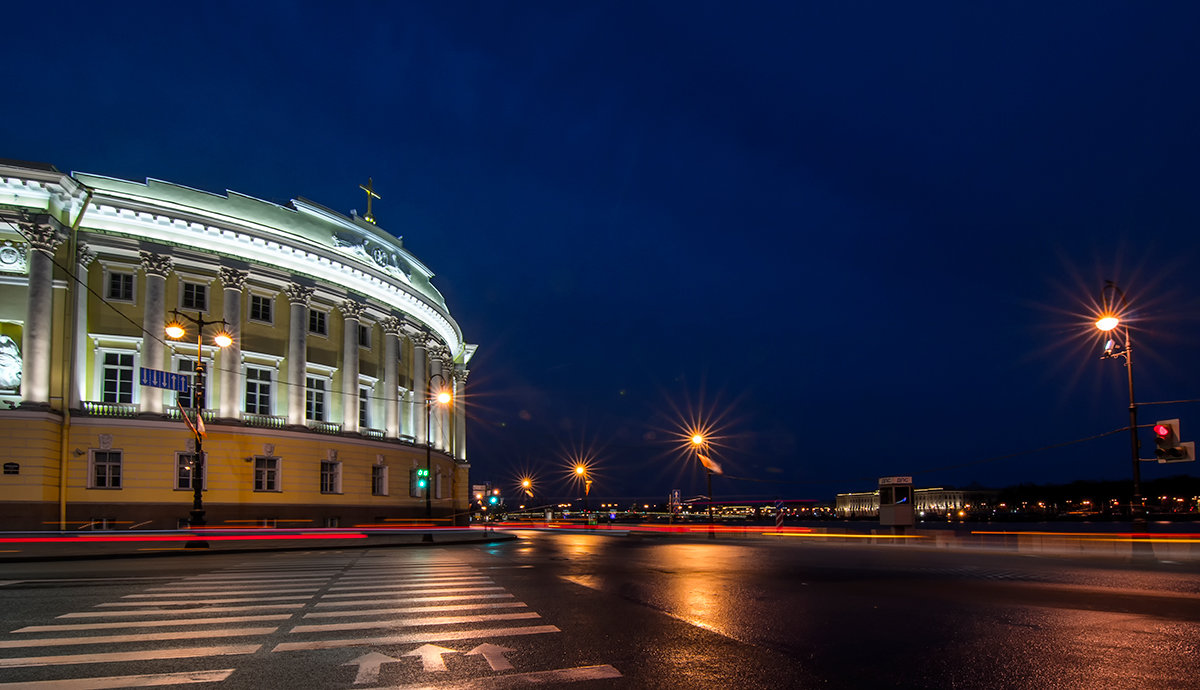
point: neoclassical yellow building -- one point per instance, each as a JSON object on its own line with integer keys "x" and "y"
{"x": 319, "y": 413}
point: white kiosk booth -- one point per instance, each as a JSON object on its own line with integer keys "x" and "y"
{"x": 896, "y": 503}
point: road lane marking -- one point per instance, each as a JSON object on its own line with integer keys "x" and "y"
{"x": 137, "y": 637}
{"x": 451, "y": 590}
{"x": 177, "y": 612}
{"x": 179, "y": 653}
{"x": 517, "y": 680}
{"x": 142, "y": 681}
{"x": 219, "y": 592}
{"x": 411, "y": 585}
{"x": 193, "y": 602}
{"x": 415, "y": 622}
{"x": 439, "y": 636}
{"x": 174, "y": 621}
{"x": 414, "y": 609}
{"x": 410, "y": 600}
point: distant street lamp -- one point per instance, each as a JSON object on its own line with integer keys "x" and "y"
{"x": 581, "y": 472}
{"x": 175, "y": 330}
{"x": 1109, "y": 322}
{"x": 698, "y": 442}
{"x": 443, "y": 397}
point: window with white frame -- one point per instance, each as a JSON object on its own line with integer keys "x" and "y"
{"x": 262, "y": 308}
{"x": 190, "y": 400}
{"x": 193, "y": 296}
{"x": 331, "y": 477}
{"x": 118, "y": 286}
{"x": 116, "y": 383}
{"x": 379, "y": 480}
{"x": 314, "y": 398}
{"x": 266, "y": 474}
{"x": 258, "y": 390}
{"x": 318, "y": 322}
{"x": 185, "y": 469}
{"x": 364, "y": 407}
{"x": 105, "y": 469}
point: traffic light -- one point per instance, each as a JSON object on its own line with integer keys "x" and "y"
{"x": 1167, "y": 447}
{"x": 418, "y": 482}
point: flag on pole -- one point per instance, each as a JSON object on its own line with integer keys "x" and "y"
{"x": 710, "y": 464}
{"x": 198, "y": 431}
{"x": 200, "y": 424}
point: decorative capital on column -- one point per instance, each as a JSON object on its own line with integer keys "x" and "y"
{"x": 298, "y": 294}
{"x": 84, "y": 255}
{"x": 42, "y": 237}
{"x": 420, "y": 338}
{"x": 390, "y": 325}
{"x": 156, "y": 264}
{"x": 351, "y": 309}
{"x": 232, "y": 278}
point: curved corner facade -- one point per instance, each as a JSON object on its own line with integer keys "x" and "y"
{"x": 319, "y": 414}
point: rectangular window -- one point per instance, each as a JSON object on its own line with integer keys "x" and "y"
{"x": 106, "y": 469}
{"x": 185, "y": 467}
{"x": 119, "y": 286}
{"x": 331, "y": 477}
{"x": 364, "y": 336}
{"x": 260, "y": 308}
{"x": 266, "y": 474}
{"x": 364, "y": 407}
{"x": 379, "y": 480}
{"x": 314, "y": 399}
{"x": 258, "y": 390}
{"x": 117, "y": 386}
{"x": 189, "y": 399}
{"x": 316, "y": 322}
{"x": 195, "y": 296}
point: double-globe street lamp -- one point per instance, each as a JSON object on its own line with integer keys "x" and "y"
{"x": 175, "y": 330}
{"x": 1112, "y": 309}
{"x": 443, "y": 397}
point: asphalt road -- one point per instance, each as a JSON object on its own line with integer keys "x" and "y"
{"x": 602, "y": 611}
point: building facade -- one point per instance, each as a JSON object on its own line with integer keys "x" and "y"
{"x": 932, "y": 502}
{"x": 318, "y": 414}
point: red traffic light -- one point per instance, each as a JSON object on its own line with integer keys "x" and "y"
{"x": 1162, "y": 430}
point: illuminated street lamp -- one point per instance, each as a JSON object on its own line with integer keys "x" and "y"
{"x": 1118, "y": 344}
{"x": 175, "y": 330}
{"x": 581, "y": 471}
{"x": 698, "y": 442}
{"x": 443, "y": 397}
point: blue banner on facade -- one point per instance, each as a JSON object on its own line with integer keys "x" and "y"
{"x": 166, "y": 379}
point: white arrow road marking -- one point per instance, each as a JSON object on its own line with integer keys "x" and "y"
{"x": 368, "y": 666}
{"x": 126, "y": 681}
{"x": 553, "y": 678}
{"x": 444, "y": 636}
{"x": 187, "y": 653}
{"x": 494, "y": 655}
{"x": 431, "y": 656}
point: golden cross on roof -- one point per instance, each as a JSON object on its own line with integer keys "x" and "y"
{"x": 370, "y": 190}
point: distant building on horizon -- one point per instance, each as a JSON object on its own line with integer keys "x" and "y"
{"x": 315, "y": 416}
{"x": 932, "y": 501}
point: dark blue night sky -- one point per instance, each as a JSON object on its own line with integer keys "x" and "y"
{"x": 860, "y": 238}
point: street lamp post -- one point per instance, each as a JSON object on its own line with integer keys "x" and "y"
{"x": 443, "y": 397}
{"x": 581, "y": 470}
{"x": 698, "y": 442}
{"x": 1109, "y": 322}
{"x": 221, "y": 339}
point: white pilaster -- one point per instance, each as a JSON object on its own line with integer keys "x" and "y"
{"x": 230, "y": 359}
{"x": 297, "y": 354}
{"x": 351, "y": 311}
{"x": 156, "y": 267}
{"x": 391, "y": 370}
{"x": 35, "y": 339}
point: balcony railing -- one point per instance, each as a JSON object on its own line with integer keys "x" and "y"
{"x": 325, "y": 427}
{"x": 376, "y": 434}
{"x": 106, "y": 409}
{"x": 173, "y": 413}
{"x": 264, "y": 421}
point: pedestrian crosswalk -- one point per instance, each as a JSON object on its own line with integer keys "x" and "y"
{"x": 203, "y": 628}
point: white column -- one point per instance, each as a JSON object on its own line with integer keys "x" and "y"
{"x": 297, "y": 354}
{"x": 351, "y": 311}
{"x": 83, "y": 257}
{"x": 391, "y": 371}
{"x": 35, "y": 336}
{"x": 460, "y": 415}
{"x": 438, "y": 375}
{"x": 229, "y": 360}
{"x": 156, "y": 267}
{"x": 420, "y": 384}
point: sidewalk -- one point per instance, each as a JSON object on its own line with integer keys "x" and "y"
{"x": 51, "y": 546}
